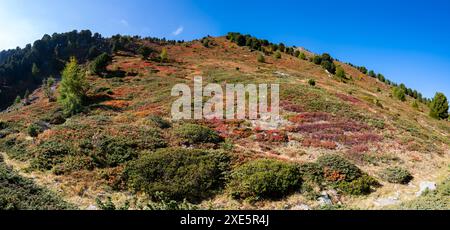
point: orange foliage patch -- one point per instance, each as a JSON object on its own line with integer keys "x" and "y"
{"x": 120, "y": 104}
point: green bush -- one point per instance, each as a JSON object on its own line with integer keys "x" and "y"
{"x": 277, "y": 55}
{"x": 163, "y": 203}
{"x": 113, "y": 151}
{"x": 329, "y": 66}
{"x": 73, "y": 164}
{"x": 337, "y": 168}
{"x": 317, "y": 60}
{"x": 179, "y": 173}
{"x": 159, "y": 122}
{"x": 48, "y": 155}
{"x": 415, "y": 105}
{"x": 345, "y": 176}
{"x": 340, "y": 73}
{"x": 399, "y": 93}
{"x": 145, "y": 51}
{"x": 18, "y": 193}
{"x": 16, "y": 149}
{"x": 360, "y": 186}
{"x": 195, "y": 134}
{"x": 397, "y": 175}
{"x": 6, "y": 128}
{"x": 311, "y": 172}
{"x": 4, "y": 125}
{"x": 56, "y": 118}
{"x": 302, "y": 56}
{"x": 34, "y": 130}
{"x": 311, "y": 82}
{"x": 261, "y": 58}
{"x": 110, "y": 206}
{"x": 264, "y": 179}
{"x": 98, "y": 66}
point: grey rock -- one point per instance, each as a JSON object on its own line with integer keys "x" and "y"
{"x": 324, "y": 199}
{"x": 92, "y": 207}
{"x": 426, "y": 186}
{"x": 301, "y": 207}
{"x": 388, "y": 200}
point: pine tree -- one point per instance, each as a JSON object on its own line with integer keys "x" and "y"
{"x": 35, "y": 70}
{"x": 99, "y": 64}
{"x": 163, "y": 55}
{"x": 261, "y": 58}
{"x": 277, "y": 55}
{"x": 73, "y": 88}
{"x": 302, "y": 56}
{"x": 26, "y": 97}
{"x": 145, "y": 51}
{"x": 415, "y": 105}
{"x": 47, "y": 87}
{"x": 439, "y": 106}
{"x": 399, "y": 93}
{"x": 17, "y": 100}
{"x": 340, "y": 73}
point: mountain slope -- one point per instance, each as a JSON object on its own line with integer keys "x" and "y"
{"x": 357, "y": 118}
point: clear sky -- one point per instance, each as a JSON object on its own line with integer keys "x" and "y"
{"x": 407, "y": 41}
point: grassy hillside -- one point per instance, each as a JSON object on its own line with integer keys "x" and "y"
{"x": 337, "y": 137}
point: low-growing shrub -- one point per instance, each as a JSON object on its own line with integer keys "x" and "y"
{"x": 397, "y": 175}
{"x": 180, "y": 173}
{"x": 109, "y": 205}
{"x": 3, "y": 125}
{"x": 15, "y": 148}
{"x": 161, "y": 202}
{"x": 399, "y": 93}
{"x": 261, "y": 58}
{"x": 18, "y": 193}
{"x": 73, "y": 164}
{"x": 311, "y": 172}
{"x": 195, "y": 134}
{"x": 264, "y": 179}
{"x": 311, "y": 82}
{"x": 98, "y": 65}
{"x": 159, "y": 122}
{"x": 360, "y": 186}
{"x": 113, "y": 151}
{"x": 277, "y": 55}
{"x": 34, "y": 130}
{"x": 55, "y": 118}
{"x": 336, "y": 168}
{"x": 48, "y": 155}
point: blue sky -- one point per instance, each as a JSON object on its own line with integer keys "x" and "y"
{"x": 407, "y": 41}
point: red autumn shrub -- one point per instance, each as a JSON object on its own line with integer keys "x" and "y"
{"x": 347, "y": 98}
{"x": 271, "y": 136}
{"x": 310, "y": 117}
{"x": 291, "y": 107}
